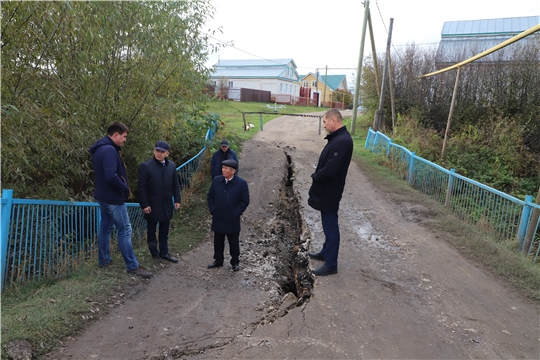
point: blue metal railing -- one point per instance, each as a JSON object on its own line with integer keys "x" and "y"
{"x": 500, "y": 214}
{"x": 43, "y": 239}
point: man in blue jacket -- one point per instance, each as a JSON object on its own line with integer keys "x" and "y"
{"x": 111, "y": 192}
{"x": 228, "y": 198}
{"x": 327, "y": 188}
{"x": 223, "y": 153}
{"x": 158, "y": 185}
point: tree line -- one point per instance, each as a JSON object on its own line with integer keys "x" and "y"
{"x": 495, "y": 128}
{"x": 69, "y": 69}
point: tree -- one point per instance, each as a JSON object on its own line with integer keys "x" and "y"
{"x": 71, "y": 68}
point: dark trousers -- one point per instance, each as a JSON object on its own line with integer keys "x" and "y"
{"x": 234, "y": 247}
{"x": 331, "y": 243}
{"x": 163, "y": 238}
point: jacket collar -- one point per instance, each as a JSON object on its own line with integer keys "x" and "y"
{"x": 335, "y": 133}
{"x": 159, "y": 162}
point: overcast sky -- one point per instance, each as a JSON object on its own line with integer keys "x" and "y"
{"x": 316, "y": 34}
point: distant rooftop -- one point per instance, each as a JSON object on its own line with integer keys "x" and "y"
{"x": 463, "y": 39}
{"x": 505, "y": 26}
{"x": 253, "y": 62}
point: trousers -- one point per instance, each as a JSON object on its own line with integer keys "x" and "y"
{"x": 115, "y": 216}
{"x": 163, "y": 237}
{"x": 234, "y": 247}
{"x": 330, "y": 248}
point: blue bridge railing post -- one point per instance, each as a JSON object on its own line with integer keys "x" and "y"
{"x": 411, "y": 168}
{"x": 449, "y": 187}
{"x": 7, "y": 202}
{"x": 524, "y": 220}
{"x": 367, "y": 138}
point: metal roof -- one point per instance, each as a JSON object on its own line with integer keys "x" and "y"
{"x": 247, "y": 73}
{"x": 332, "y": 81}
{"x": 254, "y": 62}
{"x": 254, "y": 69}
{"x": 506, "y": 26}
{"x": 463, "y": 39}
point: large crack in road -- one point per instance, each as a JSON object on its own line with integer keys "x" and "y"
{"x": 276, "y": 251}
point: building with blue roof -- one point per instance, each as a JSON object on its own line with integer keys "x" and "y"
{"x": 324, "y": 85}
{"x": 462, "y": 39}
{"x": 279, "y": 76}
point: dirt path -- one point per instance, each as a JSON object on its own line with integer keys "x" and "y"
{"x": 401, "y": 291}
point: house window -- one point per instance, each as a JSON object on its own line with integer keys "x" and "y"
{"x": 305, "y": 84}
{"x": 280, "y": 88}
{"x": 313, "y": 83}
{"x": 214, "y": 83}
{"x": 230, "y": 84}
{"x": 286, "y": 87}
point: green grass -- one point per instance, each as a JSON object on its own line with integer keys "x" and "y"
{"x": 231, "y": 114}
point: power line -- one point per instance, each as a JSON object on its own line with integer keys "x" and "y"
{"x": 234, "y": 47}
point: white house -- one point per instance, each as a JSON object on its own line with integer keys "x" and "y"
{"x": 279, "y": 76}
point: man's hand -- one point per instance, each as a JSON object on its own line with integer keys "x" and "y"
{"x": 147, "y": 210}
{"x": 176, "y": 206}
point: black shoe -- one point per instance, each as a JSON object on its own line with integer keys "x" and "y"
{"x": 157, "y": 257}
{"x": 140, "y": 271}
{"x": 215, "y": 264}
{"x": 169, "y": 258}
{"x": 324, "y": 270}
{"x": 235, "y": 268}
{"x": 316, "y": 256}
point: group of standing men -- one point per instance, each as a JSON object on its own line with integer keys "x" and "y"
{"x": 158, "y": 185}
{"x": 228, "y": 197}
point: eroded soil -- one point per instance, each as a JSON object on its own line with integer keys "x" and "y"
{"x": 401, "y": 292}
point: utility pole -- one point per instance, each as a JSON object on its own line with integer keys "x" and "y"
{"x": 378, "y": 122}
{"x": 325, "y": 83}
{"x": 359, "y": 71}
{"x": 391, "y": 85}
{"x": 449, "y": 121}
{"x": 317, "y": 86}
{"x": 374, "y": 52}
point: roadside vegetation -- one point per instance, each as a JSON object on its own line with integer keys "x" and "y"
{"x": 495, "y": 126}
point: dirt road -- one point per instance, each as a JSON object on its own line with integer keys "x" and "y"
{"x": 401, "y": 292}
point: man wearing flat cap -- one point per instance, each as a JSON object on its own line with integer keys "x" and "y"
{"x": 158, "y": 185}
{"x": 227, "y": 198}
{"x": 223, "y": 153}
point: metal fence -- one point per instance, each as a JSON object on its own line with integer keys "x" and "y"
{"x": 45, "y": 239}
{"x": 495, "y": 212}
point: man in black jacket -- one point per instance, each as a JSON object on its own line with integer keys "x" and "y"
{"x": 158, "y": 185}
{"x": 327, "y": 188}
{"x": 228, "y": 198}
{"x": 223, "y": 153}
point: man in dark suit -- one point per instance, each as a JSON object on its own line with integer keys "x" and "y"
{"x": 228, "y": 198}
{"x": 327, "y": 188}
{"x": 157, "y": 187}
